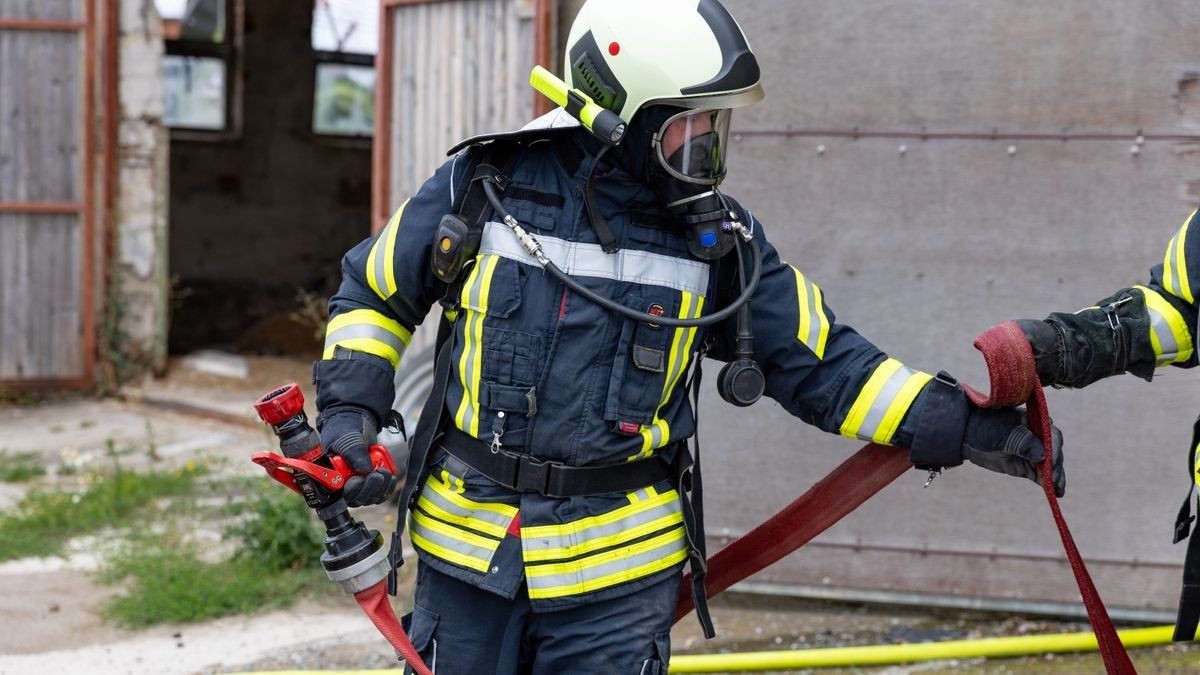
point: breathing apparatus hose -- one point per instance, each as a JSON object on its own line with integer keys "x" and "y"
{"x": 531, "y": 245}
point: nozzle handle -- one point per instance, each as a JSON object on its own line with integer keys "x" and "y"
{"x": 604, "y": 124}
{"x": 333, "y": 477}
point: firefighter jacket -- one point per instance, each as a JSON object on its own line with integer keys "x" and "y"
{"x": 544, "y": 372}
{"x": 1140, "y": 328}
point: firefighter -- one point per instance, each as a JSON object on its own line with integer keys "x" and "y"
{"x": 555, "y": 505}
{"x": 1136, "y": 330}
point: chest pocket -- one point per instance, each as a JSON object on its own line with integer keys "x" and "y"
{"x": 502, "y": 361}
{"x": 642, "y": 361}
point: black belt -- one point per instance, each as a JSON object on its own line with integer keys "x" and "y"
{"x": 552, "y": 479}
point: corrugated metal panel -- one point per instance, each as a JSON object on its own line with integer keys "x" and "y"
{"x": 923, "y": 250}
{"x": 458, "y": 69}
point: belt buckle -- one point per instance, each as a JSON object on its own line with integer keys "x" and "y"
{"x": 533, "y": 475}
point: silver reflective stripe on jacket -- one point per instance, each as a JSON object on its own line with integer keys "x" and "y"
{"x": 589, "y": 260}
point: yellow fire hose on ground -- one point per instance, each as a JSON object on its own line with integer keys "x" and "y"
{"x": 1027, "y": 645}
{"x": 885, "y": 655}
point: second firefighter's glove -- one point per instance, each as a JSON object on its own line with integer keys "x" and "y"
{"x": 1001, "y": 441}
{"x": 350, "y": 432}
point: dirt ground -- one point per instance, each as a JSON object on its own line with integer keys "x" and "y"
{"x": 48, "y": 608}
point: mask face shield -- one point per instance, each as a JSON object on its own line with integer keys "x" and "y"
{"x": 691, "y": 145}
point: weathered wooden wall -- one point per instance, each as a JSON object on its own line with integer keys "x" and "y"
{"x": 43, "y": 84}
{"x": 459, "y": 68}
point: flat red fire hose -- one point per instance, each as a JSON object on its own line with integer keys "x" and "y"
{"x": 374, "y": 601}
{"x": 1014, "y": 382}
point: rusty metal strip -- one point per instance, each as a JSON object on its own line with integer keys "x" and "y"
{"x": 18, "y": 386}
{"x": 88, "y": 271}
{"x": 542, "y": 33}
{"x": 381, "y": 174}
{"x": 64, "y": 208}
{"x": 11, "y": 23}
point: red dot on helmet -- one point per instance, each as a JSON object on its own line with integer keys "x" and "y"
{"x": 614, "y": 48}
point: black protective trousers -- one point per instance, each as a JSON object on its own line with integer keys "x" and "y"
{"x": 461, "y": 630}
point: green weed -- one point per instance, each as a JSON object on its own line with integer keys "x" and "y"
{"x": 280, "y": 532}
{"x": 43, "y": 521}
{"x": 20, "y": 467}
{"x": 276, "y": 559}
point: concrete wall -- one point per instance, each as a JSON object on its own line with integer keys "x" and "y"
{"x": 139, "y": 274}
{"x": 256, "y": 218}
{"x": 922, "y": 249}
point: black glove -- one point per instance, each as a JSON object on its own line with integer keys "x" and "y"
{"x": 350, "y": 432}
{"x": 1000, "y": 440}
{"x": 1047, "y": 342}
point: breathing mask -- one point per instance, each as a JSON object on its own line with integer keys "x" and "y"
{"x": 687, "y": 166}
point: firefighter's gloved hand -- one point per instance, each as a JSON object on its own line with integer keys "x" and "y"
{"x": 1046, "y": 340}
{"x": 1001, "y": 441}
{"x": 350, "y": 432}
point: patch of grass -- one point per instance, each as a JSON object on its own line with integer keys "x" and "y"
{"x": 277, "y": 559}
{"x": 43, "y": 521}
{"x": 173, "y": 584}
{"x": 280, "y": 531}
{"x": 20, "y": 467}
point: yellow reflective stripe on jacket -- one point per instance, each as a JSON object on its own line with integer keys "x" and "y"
{"x": 880, "y": 406}
{"x": 642, "y": 517}
{"x": 658, "y": 432}
{"x": 1168, "y": 331}
{"x": 470, "y": 365}
{"x": 365, "y": 330}
{"x": 1175, "y": 275}
{"x": 1196, "y": 469}
{"x": 450, "y": 543}
{"x": 607, "y": 569}
{"x": 439, "y": 501}
{"x": 381, "y": 271}
{"x": 813, "y": 330}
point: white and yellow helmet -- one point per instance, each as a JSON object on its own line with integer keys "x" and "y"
{"x": 626, "y": 54}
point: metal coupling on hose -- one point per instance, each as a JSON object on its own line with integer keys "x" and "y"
{"x": 528, "y": 243}
{"x": 742, "y": 231}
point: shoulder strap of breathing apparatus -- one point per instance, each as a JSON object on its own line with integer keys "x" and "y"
{"x": 456, "y": 242}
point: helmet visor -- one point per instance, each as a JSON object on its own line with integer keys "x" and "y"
{"x": 692, "y": 145}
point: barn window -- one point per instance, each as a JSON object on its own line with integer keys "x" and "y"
{"x": 345, "y": 38}
{"x": 200, "y": 66}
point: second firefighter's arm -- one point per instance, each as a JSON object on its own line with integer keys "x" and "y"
{"x": 1135, "y": 330}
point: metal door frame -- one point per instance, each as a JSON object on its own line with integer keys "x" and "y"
{"x": 86, "y": 209}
